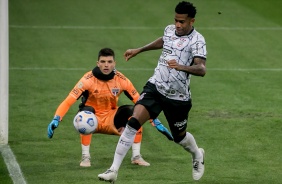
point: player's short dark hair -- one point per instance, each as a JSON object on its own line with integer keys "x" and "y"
{"x": 106, "y": 52}
{"x": 185, "y": 7}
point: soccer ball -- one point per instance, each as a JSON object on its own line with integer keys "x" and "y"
{"x": 85, "y": 122}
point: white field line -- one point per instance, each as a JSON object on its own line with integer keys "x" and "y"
{"x": 12, "y": 165}
{"x": 137, "y": 27}
{"x": 147, "y": 69}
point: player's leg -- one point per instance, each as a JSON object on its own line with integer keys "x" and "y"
{"x": 85, "y": 146}
{"x": 141, "y": 114}
{"x": 125, "y": 142}
{"x": 85, "y": 142}
{"x": 176, "y": 113}
{"x": 120, "y": 120}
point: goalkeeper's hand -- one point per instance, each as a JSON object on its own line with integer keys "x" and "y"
{"x": 161, "y": 128}
{"x": 52, "y": 126}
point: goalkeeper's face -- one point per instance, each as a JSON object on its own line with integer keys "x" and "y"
{"x": 106, "y": 64}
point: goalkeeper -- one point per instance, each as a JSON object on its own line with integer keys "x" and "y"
{"x": 99, "y": 90}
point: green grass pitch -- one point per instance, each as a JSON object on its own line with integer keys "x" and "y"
{"x": 237, "y": 106}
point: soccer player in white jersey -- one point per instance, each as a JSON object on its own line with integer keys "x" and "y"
{"x": 183, "y": 54}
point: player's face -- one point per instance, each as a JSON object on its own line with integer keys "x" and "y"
{"x": 183, "y": 24}
{"x": 106, "y": 64}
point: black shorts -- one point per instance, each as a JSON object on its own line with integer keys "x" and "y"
{"x": 123, "y": 113}
{"x": 175, "y": 111}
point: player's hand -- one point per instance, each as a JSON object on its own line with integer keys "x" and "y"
{"x": 130, "y": 53}
{"x": 52, "y": 126}
{"x": 161, "y": 128}
{"x": 173, "y": 64}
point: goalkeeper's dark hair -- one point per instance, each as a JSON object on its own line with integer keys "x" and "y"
{"x": 106, "y": 52}
{"x": 185, "y": 7}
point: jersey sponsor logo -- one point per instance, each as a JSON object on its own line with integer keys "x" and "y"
{"x": 172, "y": 38}
{"x": 88, "y": 76}
{"x": 196, "y": 51}
{"x": 120, "y": 76}
{"x": 133, "y": 92}
{"x": 75, "y": 91}
{"x": 167, "y": 51}
{"x": 125, "y": 143}
{"x": 166, "y": 91}
{"x": 80, "y": 85}
{"x": 115, "y": 91}
{"x": 180, "y": 124}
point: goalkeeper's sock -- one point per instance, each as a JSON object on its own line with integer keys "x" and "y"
{"x": 190, "y": 145}
{"x": 85, "y": 144}
{"x": 136, "y": 149}
{"x": 125, "y": 142}
{"x": 85, "y": 150}
{"x": 138, "y": 137}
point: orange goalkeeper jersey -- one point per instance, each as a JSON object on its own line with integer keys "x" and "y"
{"x": 103, "y": 97}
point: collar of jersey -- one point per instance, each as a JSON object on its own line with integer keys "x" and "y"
{"x": 186, "y": 34}
{"x": 99, "y": 75}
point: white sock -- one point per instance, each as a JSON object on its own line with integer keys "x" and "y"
{"x": 124, "y": 143}
{"x": 189, "y": 144}
{"x": 136, "y": 149}
{"x": 85, "y": 150}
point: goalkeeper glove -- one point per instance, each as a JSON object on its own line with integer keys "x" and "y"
{"x": 161, "y": 128}
{"x": 53, "y": 125}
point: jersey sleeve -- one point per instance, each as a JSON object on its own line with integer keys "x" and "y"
{"x": 133, "y": 93}
{"x": 64, "y": 106}
{"x": 199, "y": 47}
{"x": 81, "y": 86}
{"x": 168, "y": 29}
{"x": 129, "y": 89}
{"x": 74, "y": 95}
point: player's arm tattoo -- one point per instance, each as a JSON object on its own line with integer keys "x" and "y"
{"x": 198, "y": 67}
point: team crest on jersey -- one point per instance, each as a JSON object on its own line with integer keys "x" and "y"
{"x": 180, "y": 43}
{"x": 115, "y": 91}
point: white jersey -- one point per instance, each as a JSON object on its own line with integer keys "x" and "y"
{"x": 170, "y": 82}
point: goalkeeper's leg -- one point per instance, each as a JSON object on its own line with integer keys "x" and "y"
{"x": 85, "y": 139}
{"x": 85, "y": 145}
{"x": 136, "y": 146}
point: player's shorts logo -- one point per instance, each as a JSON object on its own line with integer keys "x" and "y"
{"x": 141, "y": 96}
{"x": 181, "y": 124}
